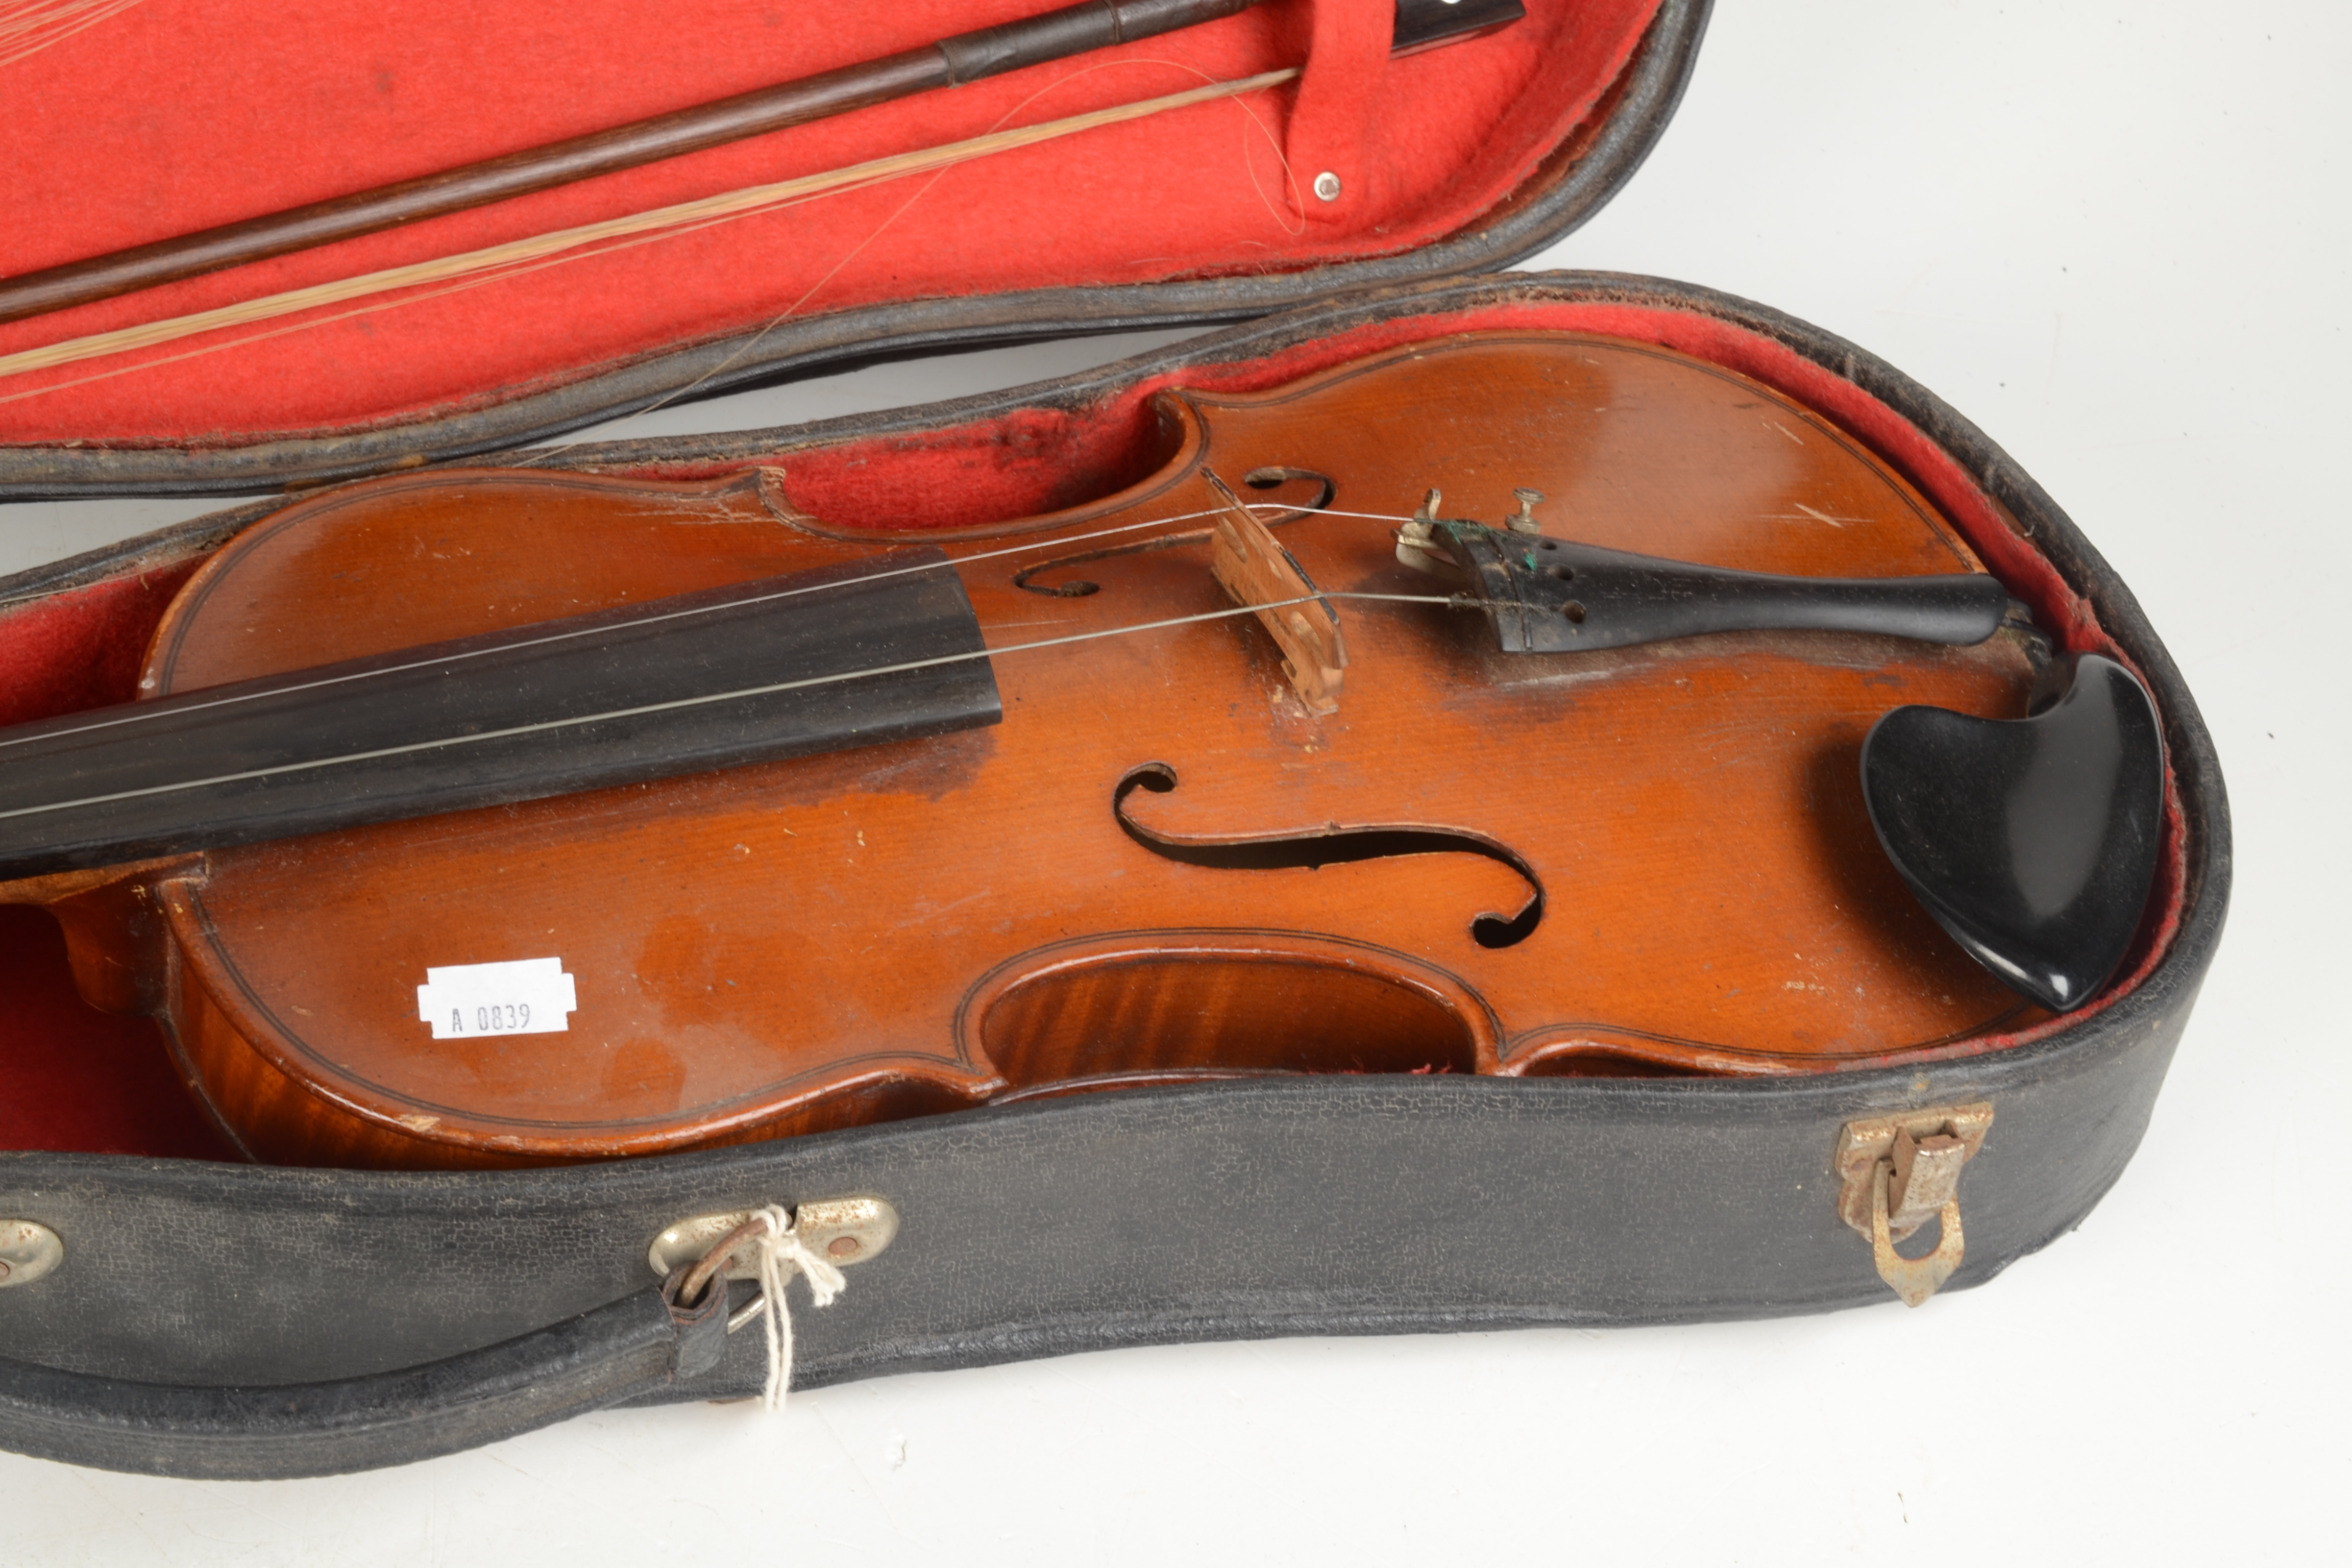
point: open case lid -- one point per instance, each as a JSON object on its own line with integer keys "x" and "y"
{"x": 1450, "y": 160}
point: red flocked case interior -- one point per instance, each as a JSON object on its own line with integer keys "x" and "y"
{"x": 273, "y": 105}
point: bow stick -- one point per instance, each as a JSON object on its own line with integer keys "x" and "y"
{"x": 949, "y": 62}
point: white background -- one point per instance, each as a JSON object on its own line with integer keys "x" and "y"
{"x": 2115, "y": 236}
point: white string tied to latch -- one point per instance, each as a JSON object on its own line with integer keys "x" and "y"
{"x": 781, "y": 1254}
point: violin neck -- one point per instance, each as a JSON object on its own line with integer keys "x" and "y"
{"x": 753, "y": 672}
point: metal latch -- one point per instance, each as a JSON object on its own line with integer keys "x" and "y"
{"x": 847, "y": 1231}
{"x": 1897, "y": 1172}
{"x": 28, "y": 1250}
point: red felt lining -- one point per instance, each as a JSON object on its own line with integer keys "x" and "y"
{"x": 272, "y": 104}
{"x": 1347, "y": 53}
{"x": 81, "y": 648}
{"x": 78, "y": 1080}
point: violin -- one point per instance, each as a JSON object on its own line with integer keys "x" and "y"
{"x": 1272, "y": 761}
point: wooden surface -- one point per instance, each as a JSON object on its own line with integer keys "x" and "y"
{"x": 1117, "y": 884}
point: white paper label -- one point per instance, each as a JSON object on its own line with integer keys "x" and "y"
{"x": 526, "y": 996}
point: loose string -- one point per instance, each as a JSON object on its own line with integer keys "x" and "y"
{"x": 28, "y": 29}
{"x": 144, "y": 715}
{"x": 553, "y": 449}
{"x": 781, "y": 1255}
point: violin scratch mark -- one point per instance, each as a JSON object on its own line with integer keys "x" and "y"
{"x": 932, "y": 914}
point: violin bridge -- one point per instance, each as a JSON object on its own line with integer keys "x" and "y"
{"x": 1255, "y": 569}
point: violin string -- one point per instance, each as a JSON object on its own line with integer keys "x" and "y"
{"x": 138, "y": 715}
{"x": 1335, "y": 512}
{"x": 544, "y": 725}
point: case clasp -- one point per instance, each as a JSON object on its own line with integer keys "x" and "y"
{"x": 847, "y": 1231}
{"x": 1899, "y": 1171}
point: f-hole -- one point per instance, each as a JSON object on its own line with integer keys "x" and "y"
{"x": 1267, "y": 479}
{"x": 1309, "y": 851}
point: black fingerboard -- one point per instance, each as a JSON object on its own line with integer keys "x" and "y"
{"x": 883, "y": 649}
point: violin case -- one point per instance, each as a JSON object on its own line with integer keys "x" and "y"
{"x": 202, "y": 1316}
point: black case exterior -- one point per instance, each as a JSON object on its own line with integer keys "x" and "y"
{"x": 1576, "y": 183}
{"x": 425, "y": 1313}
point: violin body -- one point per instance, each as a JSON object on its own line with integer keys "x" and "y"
{"x": 1163, "y": 865}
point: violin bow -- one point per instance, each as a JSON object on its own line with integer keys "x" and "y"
{"x": 468, "y": 267}
{"x": 949, "y": 62}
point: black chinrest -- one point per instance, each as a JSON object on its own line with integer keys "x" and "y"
{"x": 2032, "y": 841}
